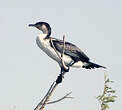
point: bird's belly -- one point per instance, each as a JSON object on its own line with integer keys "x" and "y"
{"x": 44, "y": 45}
{"x": 77, "y": 64}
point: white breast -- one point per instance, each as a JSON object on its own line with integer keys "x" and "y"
{"x": 44, "y": 45}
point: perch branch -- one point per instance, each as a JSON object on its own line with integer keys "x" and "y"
{"x": 45, "y": 100}
{"x": 42, "y": 101}
{"x": 48, "y": 96}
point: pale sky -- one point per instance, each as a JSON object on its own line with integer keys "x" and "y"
{"x": 26, "y": 72}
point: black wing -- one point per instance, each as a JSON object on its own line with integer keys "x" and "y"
{"x": 70, "y": 49}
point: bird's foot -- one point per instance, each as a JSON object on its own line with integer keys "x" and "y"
{"x": 59, "y": 79}
{"x": 61, "y": 76}
{"x": 64, "y": 70}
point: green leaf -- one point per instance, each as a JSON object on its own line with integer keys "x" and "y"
{"x": 112, "y": 91}
{"x": 106, "y": 106}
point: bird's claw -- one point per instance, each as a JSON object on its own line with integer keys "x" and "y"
{"x": 59, "y": 79}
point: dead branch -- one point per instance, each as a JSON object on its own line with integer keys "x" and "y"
{"x": 42, "y": 101}
{"x": 55, "y": 49}
{"x": 64, "y": 97}
{"x": 62, "y": 55}
{"x": 46, "y": 98}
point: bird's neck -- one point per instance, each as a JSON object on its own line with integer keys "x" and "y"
{"x": 47, "y": 32}
{"x": 42, "y": 36}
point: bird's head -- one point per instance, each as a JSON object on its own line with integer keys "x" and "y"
{"x": 43, "y": 26}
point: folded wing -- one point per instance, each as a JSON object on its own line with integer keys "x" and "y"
{"x": 71, "y": 50}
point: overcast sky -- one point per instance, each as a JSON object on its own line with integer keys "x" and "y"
{"x": 26, "y": 72}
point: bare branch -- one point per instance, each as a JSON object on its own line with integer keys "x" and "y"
{"x": 45, "y": 100}
{"x": 62, "y": 55}
{"x": 55, "y": 49}
{"x": 64, "y": 97}
{"x": 42, "y": 101}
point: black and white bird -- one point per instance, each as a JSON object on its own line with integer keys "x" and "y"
{"x": 73, "y": 56}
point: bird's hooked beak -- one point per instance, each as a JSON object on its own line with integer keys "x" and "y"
{"x": 34, "y": 25}
{"x": 31, "y": 25}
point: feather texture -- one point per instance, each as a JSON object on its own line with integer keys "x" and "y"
{"x": 71, "y": 50}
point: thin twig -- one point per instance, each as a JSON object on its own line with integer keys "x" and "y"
{"x": 55, "y": 49}
{"x": 64, "y": 97}
{"x": 62, "y": 55}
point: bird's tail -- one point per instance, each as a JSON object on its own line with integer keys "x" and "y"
{"x": 90, "y": 65}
